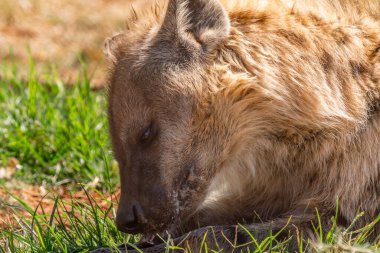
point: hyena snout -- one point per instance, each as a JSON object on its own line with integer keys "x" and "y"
{"x": 131, "y": 219}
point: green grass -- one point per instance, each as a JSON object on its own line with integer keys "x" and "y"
{"x": 79, "y": 227}
{"x": 70, "y": 227}
{"x": 59, "y": 134}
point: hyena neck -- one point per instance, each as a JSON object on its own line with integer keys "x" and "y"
{"x": 315, "y": 76}
{"x": 299, "y": 103}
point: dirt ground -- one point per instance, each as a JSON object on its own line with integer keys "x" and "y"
{"x": 56, "y": 33}
{"x": 42, "y": 197}
{"x": 37, "y": 196}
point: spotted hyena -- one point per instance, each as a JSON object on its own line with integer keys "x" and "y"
{"x": 246, "y": 112}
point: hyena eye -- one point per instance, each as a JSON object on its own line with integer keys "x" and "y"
{"x": 147, "y": 134}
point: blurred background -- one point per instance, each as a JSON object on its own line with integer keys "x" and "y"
{"x": 56, "y": 34}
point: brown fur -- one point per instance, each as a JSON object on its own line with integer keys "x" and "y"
{"x": 270, "y": 112}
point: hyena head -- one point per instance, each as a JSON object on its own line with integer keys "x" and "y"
{"x": 155, "y": 83}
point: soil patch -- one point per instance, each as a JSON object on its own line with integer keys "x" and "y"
{"x": 38, "y": 196}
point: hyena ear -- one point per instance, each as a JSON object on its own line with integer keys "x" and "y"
{"x": 199, "y": 25}
{"x": 111, "y": 47}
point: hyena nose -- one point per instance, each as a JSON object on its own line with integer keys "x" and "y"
{"x": 131, "y": 220}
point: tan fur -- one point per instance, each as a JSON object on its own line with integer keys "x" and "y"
{"x": 283, "y": 114}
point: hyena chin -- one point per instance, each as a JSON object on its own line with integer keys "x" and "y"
{"x": 246, "y": 112}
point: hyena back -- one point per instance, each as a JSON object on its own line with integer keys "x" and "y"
{"x": 226, "y": 113}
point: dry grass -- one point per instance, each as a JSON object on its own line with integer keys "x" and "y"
{"x": 58, "y": 33}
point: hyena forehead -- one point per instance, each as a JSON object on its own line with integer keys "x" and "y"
{"x": 186, "y": 34}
